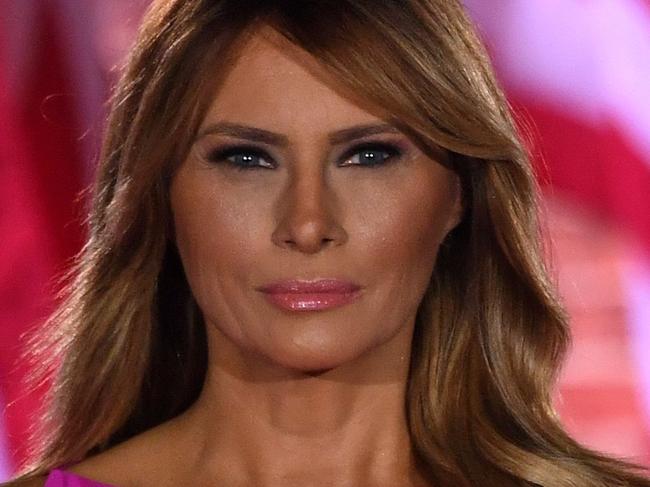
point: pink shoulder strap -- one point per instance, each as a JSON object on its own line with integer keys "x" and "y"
{"x": 61, "y": 478}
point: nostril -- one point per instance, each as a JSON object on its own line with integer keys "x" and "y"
{"x": 308, "y": 228}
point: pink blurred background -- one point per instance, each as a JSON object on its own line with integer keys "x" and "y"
{"x": 577, "y": 73}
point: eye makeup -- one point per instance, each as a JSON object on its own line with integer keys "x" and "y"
{"x": 371, "y": 154}
{"x": 242, "y": 157}
{"x": 247, "y": 157}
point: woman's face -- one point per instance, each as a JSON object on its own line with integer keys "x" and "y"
{"x": 308, "y": 227}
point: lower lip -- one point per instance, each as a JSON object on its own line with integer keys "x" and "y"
{"x": 311, "y": 301}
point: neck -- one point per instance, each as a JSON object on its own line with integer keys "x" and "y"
{"x": 256, "y": 424}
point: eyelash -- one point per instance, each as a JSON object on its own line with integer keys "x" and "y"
{"x": 222, "y": 155}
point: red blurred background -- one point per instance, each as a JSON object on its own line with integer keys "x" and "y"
{"x": 577, "y": 73}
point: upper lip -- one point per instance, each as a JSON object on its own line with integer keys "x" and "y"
{"x": 305, "y": 286}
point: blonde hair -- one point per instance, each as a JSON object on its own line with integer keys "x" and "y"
{"x": 490, "y": 334}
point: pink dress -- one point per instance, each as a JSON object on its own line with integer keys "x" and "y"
{"x": 61, "y": 478}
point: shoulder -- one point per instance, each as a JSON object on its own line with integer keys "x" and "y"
{"x": 115, "y": 465}
{"x": 56, "y": 478}
{"x": 137, "y": 461}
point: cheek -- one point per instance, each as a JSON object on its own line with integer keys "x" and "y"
{"x": 403, "y": 223}
{"x": 217, "y": 236}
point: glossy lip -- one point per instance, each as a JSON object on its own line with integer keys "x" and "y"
{"x": 311, "y": 295}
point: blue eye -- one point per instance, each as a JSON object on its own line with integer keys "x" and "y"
{"x": 242, "y": 158}
{"x": 370, "y": 155}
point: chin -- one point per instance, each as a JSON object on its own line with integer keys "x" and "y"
{"x": 312, "y": 363}
{"x": 316, "y": 357}
{"x": 304, "y": 347}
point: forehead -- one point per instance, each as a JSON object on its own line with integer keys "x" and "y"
{"x": 275, "y": 84}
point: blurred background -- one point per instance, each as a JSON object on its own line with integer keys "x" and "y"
{"x": 577, "y": 73}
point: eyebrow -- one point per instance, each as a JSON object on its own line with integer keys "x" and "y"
{"x": 272, "y": 138}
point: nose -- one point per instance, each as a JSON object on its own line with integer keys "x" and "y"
{"x": 308, "y": 218}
